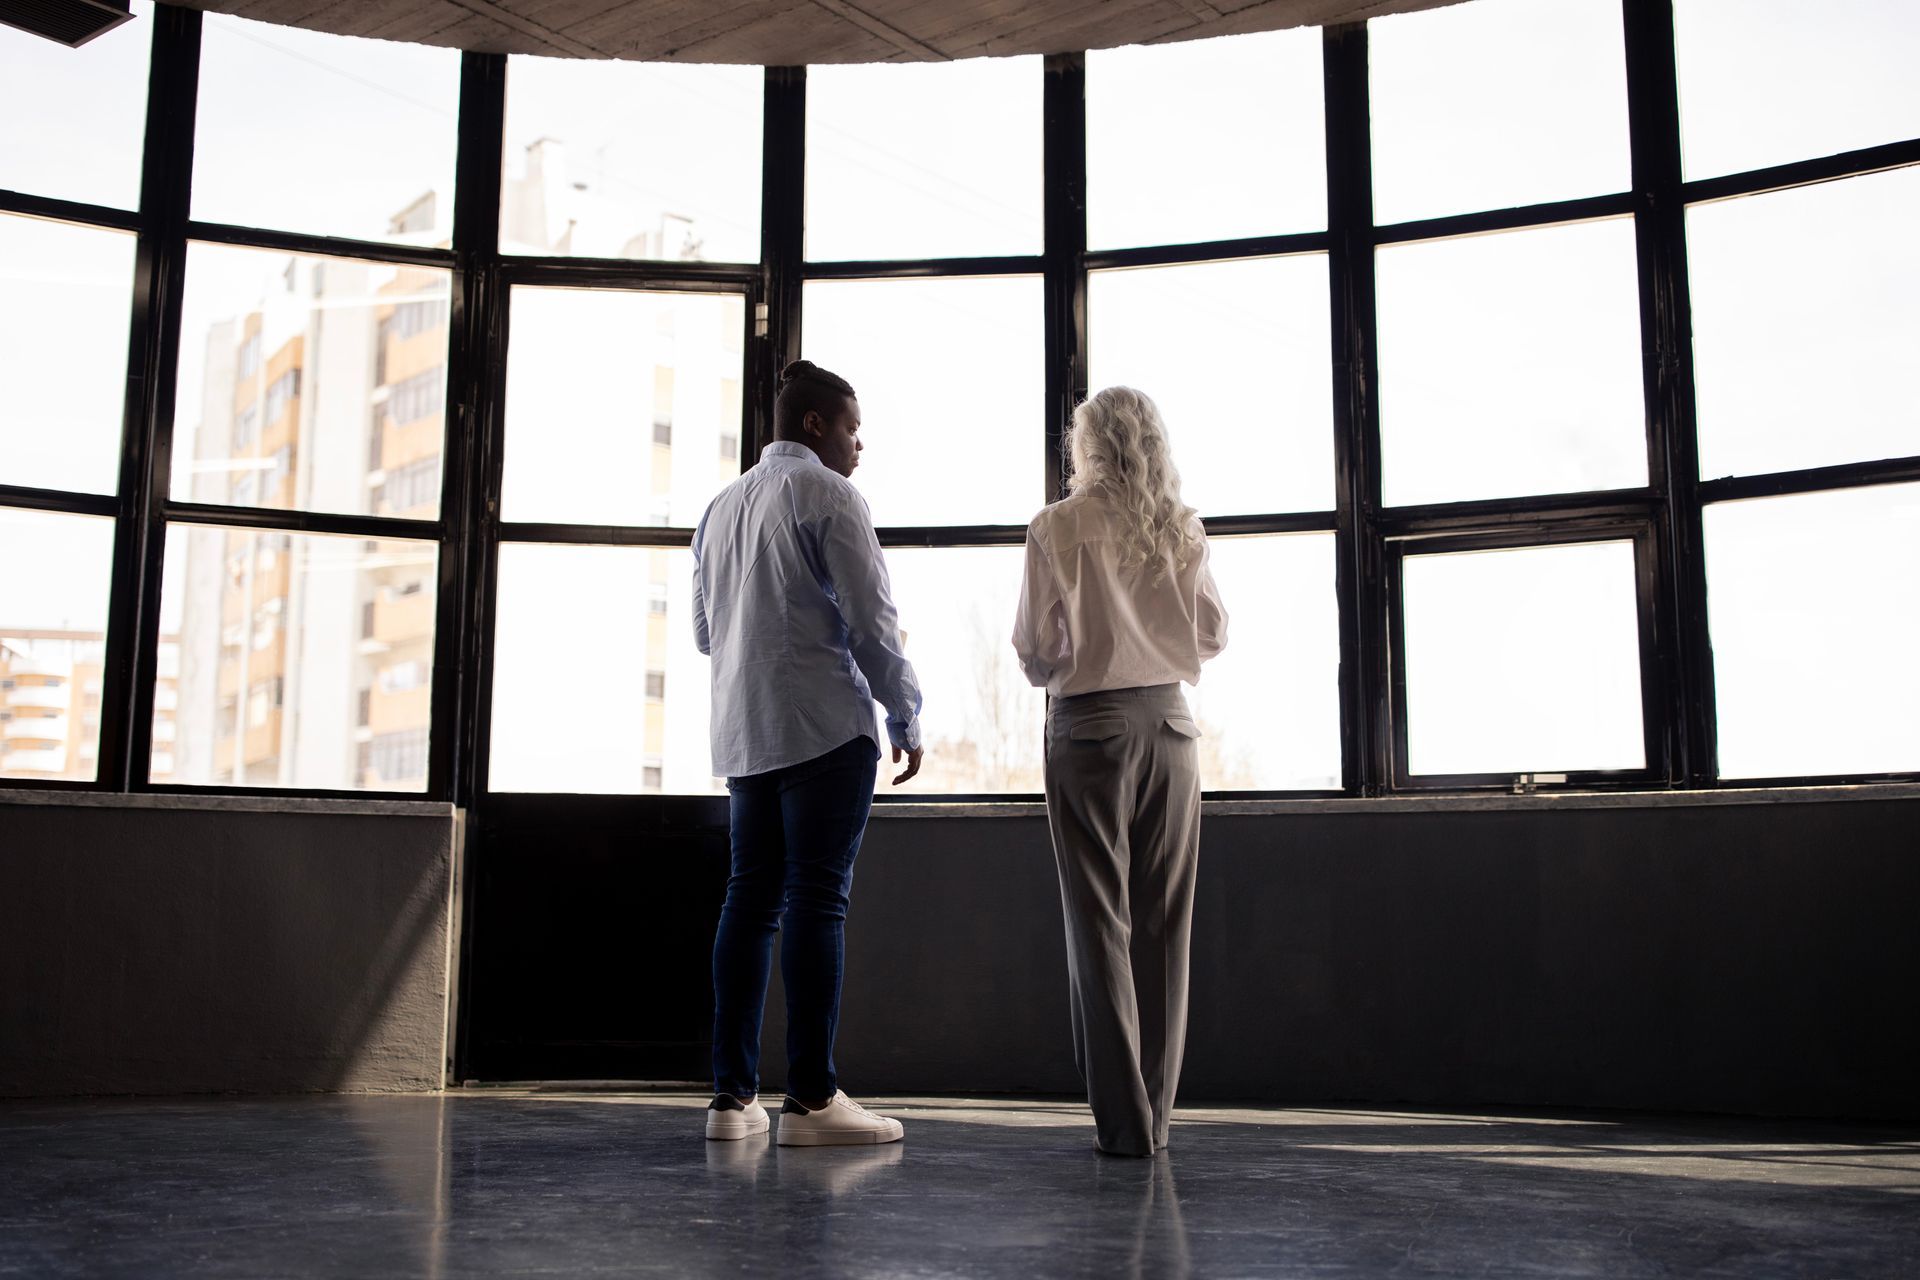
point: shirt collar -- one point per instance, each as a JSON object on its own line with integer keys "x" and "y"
{"x": 791, "y": 449}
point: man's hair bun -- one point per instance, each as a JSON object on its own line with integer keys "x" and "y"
{"x": 808, "y": 371}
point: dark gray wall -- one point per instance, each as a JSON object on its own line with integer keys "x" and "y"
{"x": 1749, "y": 957}
{"x": 1757, "y": 958}
{"x": 154, "y": 945}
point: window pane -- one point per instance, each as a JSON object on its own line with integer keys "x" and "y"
{"x": 1168, "y": 131}
{"x": 1523, "y": 661}
{"x": 56, "y": 572}
{"x": 1806, "y": 333}
{"x": 590, "y": 172}
{"x": 316, "y": 384}
{"x": 1815, "y": 608}
{"x": 66, "y": 305}
{"x": 1495, "y": 104}
{"x": 89, "y": 112}
{"x": 981, "y": 723}
{"x": 1510, "y": 365}
{"x": 952, "y": 386}
{"x": 597, "y": 685}
{"x": 1191, "y": 337}
{"x": 305, "y": 660}
{"x": 924, "y": 160}
{"x": 1766, "y": 82}
{"x": 622, "y": 408}
{"x": 332, "y": 135}
{"x": 1269, "y": 706}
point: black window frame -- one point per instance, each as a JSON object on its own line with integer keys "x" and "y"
{"x": 1664, "y": 515}
{"x": 1639, "y": 532}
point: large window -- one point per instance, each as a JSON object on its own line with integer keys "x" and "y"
{"x": 1766, "y": 82}
{"x": 1268, "y": 707}
{"x": 1497, "y": 103}
{"x": 949, "y": 167}
{"x": 66, "y": 293}
{"x": 1522, "y": 660}
{"x": 1439, "y": 351}
{"x": 1510, "y": 365}
{"x": 616, "y": 403}
{"x": 88, "y": 124}
{"x": 284, "y": 642}
{"x": 949, "y": 373}
{"x": 1806, "y": 333}
{"x": 329, "y": 135}
{"x": 1190, "y": 337}
{"x": 299, "y": 388}
{"x": 1167, "y": 158}
{"x": 593, "y": 690}
{"x": 54, "y": 574}
{"x": 627, "y": 160}
{"x": 1816, "y": 618}
{"x": 982, "y": 721}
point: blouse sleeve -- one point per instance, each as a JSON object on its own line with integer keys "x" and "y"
{"x": 1039, "y": 621}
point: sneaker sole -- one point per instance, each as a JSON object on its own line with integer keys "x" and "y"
{"x": 837, "y": 1137}
{"x": 717, "y": 1132}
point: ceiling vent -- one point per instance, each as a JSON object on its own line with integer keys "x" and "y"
{"x": 71, "y": 22}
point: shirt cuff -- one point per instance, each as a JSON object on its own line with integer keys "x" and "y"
{"x": 904, "y": 735}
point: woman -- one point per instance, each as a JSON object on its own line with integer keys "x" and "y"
{"x": 1118, "y": 607}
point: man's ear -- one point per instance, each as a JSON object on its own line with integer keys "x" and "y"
{"x": 813, "y": 424}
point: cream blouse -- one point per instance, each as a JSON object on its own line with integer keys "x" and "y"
{"x": 1084, "y": 623}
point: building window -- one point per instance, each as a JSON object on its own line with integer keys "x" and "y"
{"x": 399, "y": 757}
{"x": 418, "y": 397}
{"x": 410, "y": 319}
{"x": 730, "y": 447}
{"x": 656, "y": 685}
{"x": 651, "y": 777}
{"x": 403, "y": 676}
{"x": 281, "y": 392}
{"x": 663, "y": 431}
{"x": 417, "y": 484}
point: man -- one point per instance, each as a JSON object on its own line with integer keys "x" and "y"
{"x": 792, "y": 602}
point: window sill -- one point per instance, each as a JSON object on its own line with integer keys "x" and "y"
{"x": 1533, "y": 803}
{"x": 350, "y": 806}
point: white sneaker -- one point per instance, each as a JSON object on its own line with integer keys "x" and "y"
{"x": 729, "y": 1118}
{"x": 841, "y": 1123}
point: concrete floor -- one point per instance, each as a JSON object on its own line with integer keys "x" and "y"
{"x": 503, "y": 1182}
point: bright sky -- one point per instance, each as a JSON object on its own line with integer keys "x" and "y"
{"x": 1508, "y": 364}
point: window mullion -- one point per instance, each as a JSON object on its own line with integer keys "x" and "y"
{"x": 1685, "y": 666}
{"x": 133, "y": 619}
{"x": 1366, "y": 742}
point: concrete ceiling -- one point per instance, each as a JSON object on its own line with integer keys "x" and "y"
{"x": 790, "y": 32}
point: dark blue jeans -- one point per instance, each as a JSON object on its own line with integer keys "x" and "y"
{"x": 795, "y": 833}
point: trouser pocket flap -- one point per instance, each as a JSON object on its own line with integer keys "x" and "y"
{"x": 1095, "y": 730}
{"x": 1183, "y": 726}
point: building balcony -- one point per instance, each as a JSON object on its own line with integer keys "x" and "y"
{"x": 55, "y": 696}
{"x": 15, "y": 763}
{"x": 402, "y": 619}
{"x": 36, "y": 729}
{"x": 28, "y": 666}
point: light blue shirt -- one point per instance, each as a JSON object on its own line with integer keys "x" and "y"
{"x": 791, "y": 601}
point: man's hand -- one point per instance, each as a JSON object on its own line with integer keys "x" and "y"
{"x": 913, "y": 763}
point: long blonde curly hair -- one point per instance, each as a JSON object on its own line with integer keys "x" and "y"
{"x": 1117, "y": 446}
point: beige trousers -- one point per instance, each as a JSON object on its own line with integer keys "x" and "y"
{"x": 1123, "y": 802}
